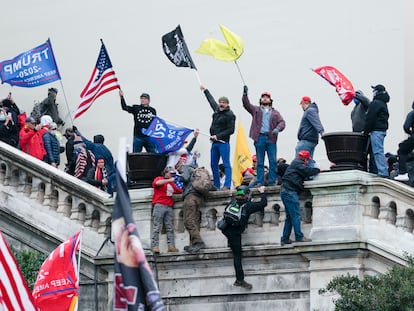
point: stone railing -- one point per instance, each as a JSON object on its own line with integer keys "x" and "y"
{"x": 72, "y": 203}
{"x": 354, "y": 205}
{"x": 359, "y": 223}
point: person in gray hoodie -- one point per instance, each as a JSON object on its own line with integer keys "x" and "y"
{"x": 310, "y": 127}
{"x": 359, "y": 111}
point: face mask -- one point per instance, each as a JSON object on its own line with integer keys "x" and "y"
{"x": 2, "y": 117}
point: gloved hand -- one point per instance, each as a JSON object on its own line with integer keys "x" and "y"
{"x": 317, "y": 165}
{"x": 275, "y": 132}
{"x": 245, "y": 90}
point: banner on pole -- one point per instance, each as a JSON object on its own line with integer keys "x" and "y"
{"x": 32, "y": 68}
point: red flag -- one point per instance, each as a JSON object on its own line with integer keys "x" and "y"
{"x": 57, "y": 282}
{"x": 343, "y": 86}
{"x": 102, "y": 80}
{"x": 14, "y": 292}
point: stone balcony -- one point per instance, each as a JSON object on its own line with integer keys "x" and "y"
{"x": 359, "y": 224}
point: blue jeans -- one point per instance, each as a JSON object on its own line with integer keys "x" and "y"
{"x": 220, "y": 150}
{"x": 305, "y": 145}
{"x": 143, "y": 141}
{"x": 290, "y": 200}
{"x": 377, "y": 144}
{"x": 262, "y": 146}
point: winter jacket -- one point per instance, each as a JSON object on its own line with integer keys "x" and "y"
{"x": 142, "y": 116}
{"x": 31, "y": 142}
{"x": 296, "y": 173}
{"x": 223, "y": 123}
{"x": 52, "y": 148}
{"x": 276, "y": 121}
{"x": 310, "y": 126}
{"x": 249, "y": 207}
{"x": 49, "y": 107}
{"x": 409, "y": 124}
{"x": 101, "y": 151}
{"x": 91, "y": 177}
{"x": 358, "y": 114}
{"x": 377, "y": 114}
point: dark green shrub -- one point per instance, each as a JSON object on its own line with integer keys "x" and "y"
{"x": 29, "y": 262}
{"x": 393, "y": 291}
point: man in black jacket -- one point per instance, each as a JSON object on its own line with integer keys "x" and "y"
{"x": 222, "y": 127}
{"x": 376, "y": 125}
{"x": 233, "y": 232}
{"x": 143, "y": 115}
{"x": 292, "y": 185}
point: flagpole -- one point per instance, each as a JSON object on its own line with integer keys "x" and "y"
{"x": 238, "y": 68}
{"x": 66, "y": 102}
{"x": 80, "y": 251}
{"x": 198, "y": 77}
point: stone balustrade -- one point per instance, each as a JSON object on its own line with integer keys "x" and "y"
{"x": 56, "y": 194}
{"x": 359, "y": 223}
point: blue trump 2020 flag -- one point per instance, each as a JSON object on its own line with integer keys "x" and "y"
{"x": 167, "y": 137}
{"x": 32, "y": 68}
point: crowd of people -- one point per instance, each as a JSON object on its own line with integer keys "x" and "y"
{"x": 38, "y": 134}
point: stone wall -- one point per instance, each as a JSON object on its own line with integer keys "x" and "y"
{"x": 359, "y": 224}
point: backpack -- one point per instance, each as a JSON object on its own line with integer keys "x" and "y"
{"x": 232, "y": 213}
{"x": 201, "y": 180}
{"x": 37, "y": 111}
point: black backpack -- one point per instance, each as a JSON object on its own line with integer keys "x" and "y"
{"x": 232, "y": 213}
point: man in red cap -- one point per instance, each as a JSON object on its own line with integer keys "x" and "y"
{"x": 310, "y": 126}
{"x": 266, "y": 124}
{"x": 292, "y": 185}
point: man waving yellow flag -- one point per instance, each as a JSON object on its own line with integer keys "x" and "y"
{"x": 242, "y": 156}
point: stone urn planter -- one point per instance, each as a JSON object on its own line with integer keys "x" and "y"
{"x": 346, "y": 150}
{"x": 143, "y": 167}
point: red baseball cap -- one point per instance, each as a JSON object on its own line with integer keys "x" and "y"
{"x": 306, "y": 99}
{"x": 266, "y": 94}
{"x": 304, "y": 154}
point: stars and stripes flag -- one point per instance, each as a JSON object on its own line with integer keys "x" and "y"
{"x": 102, "y": 80}
{"x": 14, "y": 292}
{"x": 57, "y": 284}
{"x": 343, "y": 86}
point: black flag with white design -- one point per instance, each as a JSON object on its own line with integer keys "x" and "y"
{"x": 176, "y": 49}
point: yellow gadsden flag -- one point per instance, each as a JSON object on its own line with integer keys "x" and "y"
{"x": 242, "y": 156}
{"x": 228, "y": 52}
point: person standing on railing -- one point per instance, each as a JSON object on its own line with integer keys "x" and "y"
{"x": 222, "y": 127}
{"x": 143, "y": 115}
{"x": 266, "y": 125}
{"x": 376, "y": 125}
{"x": 310, "y": 127}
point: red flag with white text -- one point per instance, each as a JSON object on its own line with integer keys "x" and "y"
{"x": 14, "y": 293}
{"x": 343, "y": 86}
{"x": 57, "y": 282}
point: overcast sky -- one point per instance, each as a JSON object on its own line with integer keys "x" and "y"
{"x": 283, "y": 41}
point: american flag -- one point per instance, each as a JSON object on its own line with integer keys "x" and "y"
{"x": 102, "y": 80}
{"x": 14, "y": 293}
